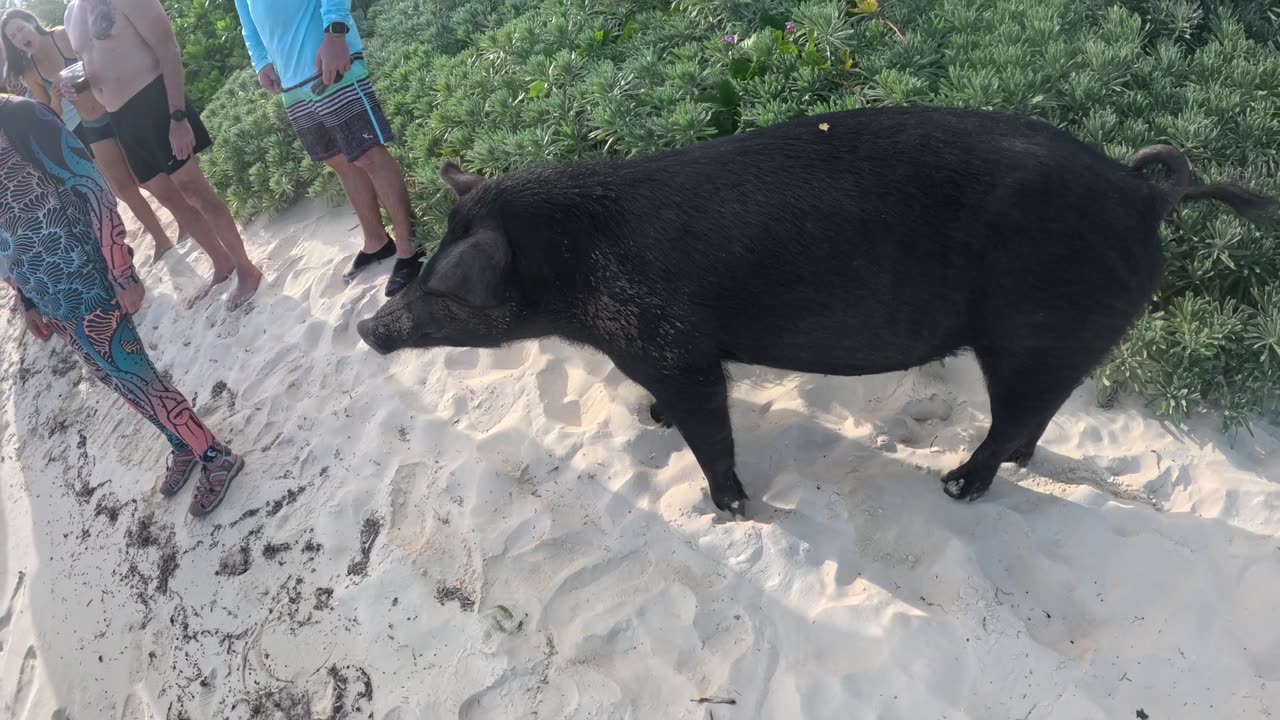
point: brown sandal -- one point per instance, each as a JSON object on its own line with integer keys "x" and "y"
{"x": 215, "y": 482}
{"x": 182, "y": 466}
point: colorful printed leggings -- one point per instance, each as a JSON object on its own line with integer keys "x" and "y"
{"x": 109, "y": 344}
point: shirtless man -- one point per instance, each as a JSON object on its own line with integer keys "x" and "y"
{"x": 134, "y": 66}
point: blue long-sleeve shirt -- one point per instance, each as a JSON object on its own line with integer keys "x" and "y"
{"x": 288, "y": 34}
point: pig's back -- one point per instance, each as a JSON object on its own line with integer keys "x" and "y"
{"x": 881, "y": 235}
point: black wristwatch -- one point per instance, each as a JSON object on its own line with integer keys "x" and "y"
{"x": 337, "y": 28}
{"x": 178, "y": 115}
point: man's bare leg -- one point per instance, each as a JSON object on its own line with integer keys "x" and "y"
{"x": 189, "y": 216}
{"x": 195, "y": 187}
{"x": 393, "y": 194}
{"x": 115, "y": 169}
{"x": 364, "y": 199}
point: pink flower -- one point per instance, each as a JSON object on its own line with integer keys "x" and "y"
{"x": 731, "y": 39}
{"x": 791, "y": 27}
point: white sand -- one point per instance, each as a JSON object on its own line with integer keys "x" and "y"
{"x": 504, "y": 534}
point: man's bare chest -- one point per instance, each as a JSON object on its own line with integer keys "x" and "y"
{"x": 99, "y": 31}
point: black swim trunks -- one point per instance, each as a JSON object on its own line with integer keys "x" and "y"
{"x": 95, "y": 131}
{"x": 142, "y": 127}
{"x": 81, "y": 132}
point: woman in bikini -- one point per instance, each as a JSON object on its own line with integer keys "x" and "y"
{"x": 62, "y": 248}
{"x": 35, "y": 55}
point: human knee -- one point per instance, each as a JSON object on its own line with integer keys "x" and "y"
{"x": 130, "y": 194}
{"x": 167, "y": 194}
{"x": 342, "y": 168}
{"x": 202, "y": 197}
{"x": 375, "y": 159}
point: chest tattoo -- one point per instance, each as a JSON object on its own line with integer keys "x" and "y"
{"x": 102, "y": 19}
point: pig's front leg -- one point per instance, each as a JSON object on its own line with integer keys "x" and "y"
{"x": 696, "y": 402}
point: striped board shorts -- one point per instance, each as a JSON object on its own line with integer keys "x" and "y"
{"x": 344, "y": 118}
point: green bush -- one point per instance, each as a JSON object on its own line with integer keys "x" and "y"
{"x": 50, "y": 12}
{"x": 502, "y": 84}
{"x": 256, "y": 161}
{"x": 208, "y": 33}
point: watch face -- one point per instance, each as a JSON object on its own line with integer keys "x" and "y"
{"x": 338, "y": 28}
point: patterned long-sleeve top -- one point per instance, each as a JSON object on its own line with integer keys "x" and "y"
{"x": 62, "y": 241}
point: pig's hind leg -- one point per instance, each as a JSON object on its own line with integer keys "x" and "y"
{"x": 1024, "y": 398}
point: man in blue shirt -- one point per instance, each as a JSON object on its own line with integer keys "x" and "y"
{"x": 310, "y": 52}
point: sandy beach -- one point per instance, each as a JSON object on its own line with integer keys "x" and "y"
{"x": 506, "y": 534}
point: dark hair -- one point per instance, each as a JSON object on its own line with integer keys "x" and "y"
{"x": 16, "y": 60}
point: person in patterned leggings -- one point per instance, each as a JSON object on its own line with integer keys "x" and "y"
{"x": 63, "y": 250}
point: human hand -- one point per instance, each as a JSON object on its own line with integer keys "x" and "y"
{"x": 182, "y": 139}
{"x": 334, "y": 57}
{"x": 38, "y": 326}
{"x": 269, "y": 79}
{"x": 131, "y": 299}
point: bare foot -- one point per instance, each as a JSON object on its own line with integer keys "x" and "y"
{"x": 217, "y": 280}
{"x": 246, "y": 286}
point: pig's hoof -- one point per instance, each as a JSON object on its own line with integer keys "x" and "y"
{"x": 961, "y": 484}
{"x": 736, "y": 508}
{"x": 655, "y": 412}
{"x": 734, "y": 500}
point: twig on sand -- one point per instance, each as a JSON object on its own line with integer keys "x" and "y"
{"x": 715, "y": 701}
{"x": 1033, "y": 709}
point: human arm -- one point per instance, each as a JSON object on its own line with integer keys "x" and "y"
{"x": 334, "y": 56}
{"x": 258, "y": 54}
{"x": 332, "y": 11}
{"x": 149, "y": 17}
{"x": 37, "y": 90}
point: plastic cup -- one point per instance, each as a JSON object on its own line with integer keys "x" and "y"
{"x": 75, "y": 77}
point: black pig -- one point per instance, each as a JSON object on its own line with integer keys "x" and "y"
{"x": 850, "y": 243}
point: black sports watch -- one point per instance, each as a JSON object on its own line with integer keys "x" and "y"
{"x": 337, "y": 28}
{"x": 178, "y": 115}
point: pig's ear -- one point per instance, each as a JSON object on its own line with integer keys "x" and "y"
{"x": 460, "y": 181}
{"x": 474, "y": 270}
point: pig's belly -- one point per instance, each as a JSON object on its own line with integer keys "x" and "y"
{"x": 833, "y": 354}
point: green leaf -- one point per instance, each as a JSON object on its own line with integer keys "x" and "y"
{"x": 629, "y": 30}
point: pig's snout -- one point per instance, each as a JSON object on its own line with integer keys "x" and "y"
{"x": 367, "y": 330}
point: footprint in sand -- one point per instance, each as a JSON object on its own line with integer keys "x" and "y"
{"x": 7, "y": 618}
{"x": 26, "y": 681}
{"x": 910, "y": 426}
{"x": 410, "y": 497}
{"x": 926, "y": 409}
{"x": 899, "y": 429}
{"x": 1071, "y": 471}
{"x": 553, "y": 390}
{"x": 134, "y": 708}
